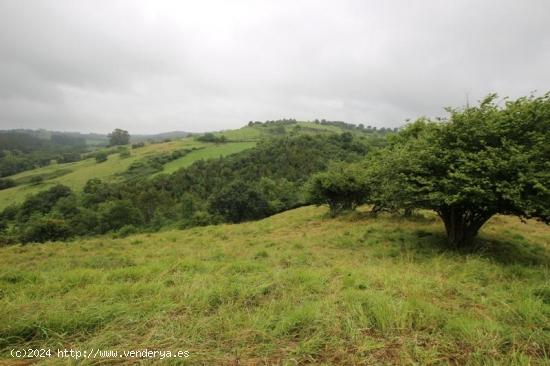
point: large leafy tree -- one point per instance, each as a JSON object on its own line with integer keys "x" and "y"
{"x": 119, "y": 137}
{"x": 484, "y": 160}
{"x": 342, "y": 187}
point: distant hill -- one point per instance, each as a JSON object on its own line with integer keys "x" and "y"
{"x": 75, "y": 174}
{"x": 256, "y": 130}
{"x": 92, "y": 139}
{"x": 97, "y": 139}
{"x": 159, "y": 136}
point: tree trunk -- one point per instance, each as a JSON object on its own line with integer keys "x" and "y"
{"x": 462, "y": 225}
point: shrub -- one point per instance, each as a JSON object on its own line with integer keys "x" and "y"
{"x": 240, "y": 201}
{"x": 127, "y": 230}
{"x": 124, "y": 153}
{"x": 7, "y": 239}
{"x": 69, "y": 157}
{"x": 67, "y": 207}
{"x": 101, "y": 156}
{"x": 45, "y": 229}
{"x": 281, "y": 194}
{"x": 116, "y": 214}
{"x": 85, "y": 222}
{"x": 42, "y": 202}
{"x": 342, "y": 187}
{"x": 6, "y": 183}
{"x": 210, "y": 137}
{"x": 201, "y": 218}
{"x": 10, "y": 212}
{"x": 36, "y": 180}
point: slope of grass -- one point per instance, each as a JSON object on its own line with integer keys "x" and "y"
{"x": 294, "y": 288}
{"x": 75, "y": 175}
{"x": 212, "y": 151}
{"x": 257, "y": 132}
{"x": 243, "y": 134}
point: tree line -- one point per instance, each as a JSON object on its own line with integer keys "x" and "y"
{"x": 20, "y": 151}
{"x": 250, "y": 185}
{"x": 482, "y": 161}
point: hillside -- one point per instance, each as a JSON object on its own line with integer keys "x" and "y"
{"x": 255, "y": 131}
{"x": 297, "y": 287}
{"x": 75, "y": 175}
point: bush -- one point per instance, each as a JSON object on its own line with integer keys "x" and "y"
{"x": 342, "y": 187}
{"x": 240, "y": 201}
{"x": 6, "y": 183}
{"x": 137, "y": 145}
{"x": 116, "y": 214}
{"x": 42, "y": 202}
{"x": 201, "y": 218}
{"x": 67, "y": 207}
{"x": 70, "y": 157}
{"x": 10, "y": 212}
{"x": 7, "y": 239}
{"x": 101, "y": 156}
{"x": 127, "y": 230}
{"x": 45, "y": 229}
{"x": 36, "y": 180}
{"x": 85, "y": 222}
{"x": 281, "y": 194}
{"x": 124, "y": 153}
{"x": 210, "y": 137}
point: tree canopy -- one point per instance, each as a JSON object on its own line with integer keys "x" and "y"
{"x": 484, "y": 160}
{"x": 119, "y": 137}
{"x": 341, "y": 187}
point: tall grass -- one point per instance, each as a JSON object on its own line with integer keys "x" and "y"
{"x": 291, "y": 289}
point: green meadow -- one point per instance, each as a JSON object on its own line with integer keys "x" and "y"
{"x": 211, "y": 152}
{"x": 295, "y": 288}
{"x": 257, "y": 132}
{"x": 75, "y": 175}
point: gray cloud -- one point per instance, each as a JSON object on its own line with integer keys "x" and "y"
{"x": 156, "y": 66}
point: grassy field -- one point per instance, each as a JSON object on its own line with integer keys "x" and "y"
{"x": 213, "y": 151}
{"x": 257, "y": 132}
{"x": 291, "y": 289}
{"x": 75, "y": 175}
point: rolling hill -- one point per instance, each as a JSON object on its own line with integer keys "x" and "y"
{"x": 296, "y": 288}
{"x": 75, "y": 175}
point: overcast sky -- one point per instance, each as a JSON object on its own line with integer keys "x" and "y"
{"x": 153, "y": 66}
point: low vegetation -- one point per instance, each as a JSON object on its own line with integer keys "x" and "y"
{"x": 298, "y": 287}
{"x": 21, "y": 151}
{"x": 253, "y": 184}
{"x": 76, "y": 174}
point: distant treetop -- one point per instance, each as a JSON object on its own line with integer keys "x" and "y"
{"x": 119, "y": 137}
